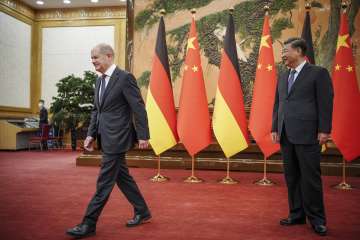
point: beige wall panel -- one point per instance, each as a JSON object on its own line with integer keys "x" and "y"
{"x": 66, "y": 50}
{"x": 15, "y": 63}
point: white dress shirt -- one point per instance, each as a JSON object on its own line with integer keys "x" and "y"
{"x": 108, "y": 74}
{"x": 298, "y": 70}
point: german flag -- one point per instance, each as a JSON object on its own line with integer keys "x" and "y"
{"x": 307, "y": 36}
{"x": 160, "y": 100}
{"x": 229, "y": 119}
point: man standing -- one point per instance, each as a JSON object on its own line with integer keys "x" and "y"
{"x": 43, "y": 115}
{"x": 43, "y": 120}
{"x": 117, "y": 107}
{"x": 302, "y": 118}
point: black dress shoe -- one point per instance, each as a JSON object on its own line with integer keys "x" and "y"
{"x": 81, "y": 231}
{"x": 320, "y": 229}
{"x": 138, "y": 219}
{"x": 290, "y": 221}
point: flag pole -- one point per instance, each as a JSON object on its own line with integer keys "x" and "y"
{"x": 193, "y": 178}
{"x": 343, "y": 185}
{"x": 158, "y": 177}
{"x": 264, "y": 181}
{"x": 228, "y": 179}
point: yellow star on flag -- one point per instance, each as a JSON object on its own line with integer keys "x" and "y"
{"x": 259, "y": 66}
{"x": 186, "y": 67}
{"x": 194, "y": 68}
{"x": 190, "y": 43}
{"x": 337, "y": 67}
{"x": 264, "y": 42}
{"x": 342, "y": 41}
{"x": 269, "y": 67}
{"x": 349, "y": 68}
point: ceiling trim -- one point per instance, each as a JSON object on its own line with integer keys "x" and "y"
{"x": 57, "y": 4}
{"x": 118, "y": 12}
{"x": 81, "y": 13}
{"x": 19, "y": 7}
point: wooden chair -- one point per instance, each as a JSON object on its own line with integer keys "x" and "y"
{"x": 40, "y": 140}
{"x": 57, "y": 137}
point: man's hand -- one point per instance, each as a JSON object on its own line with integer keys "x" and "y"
{"x": 275, "y": 137}
{"x": 143, "y": 144}
{"x": 88, "y": 144}
{"x": 323, "y": 138}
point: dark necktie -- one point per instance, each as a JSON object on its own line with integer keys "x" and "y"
{"x": 291, "y": 80}
{"x": 102, "y": 90}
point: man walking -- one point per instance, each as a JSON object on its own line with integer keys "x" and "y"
{"x": 118, "y": 106}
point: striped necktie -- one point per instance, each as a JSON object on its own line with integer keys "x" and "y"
{"x": 291, "y": 80}
{"x": 102, "y": 89}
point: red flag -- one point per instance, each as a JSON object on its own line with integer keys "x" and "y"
{"x": 193, "y": 117}
{"x": 346, "y": 113}
{"x": 260, "y": 120}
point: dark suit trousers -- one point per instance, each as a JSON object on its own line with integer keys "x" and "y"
{"x": 114, "y": 170}
{"x": 303, "y": 179}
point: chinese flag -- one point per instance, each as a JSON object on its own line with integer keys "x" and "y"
{"x": 229, "y": 119}
{"x": 264, "y": 94}
{"x": 160, "y": 100}
{"x": 346, "y": 113}
{"x": 193, "y": 117}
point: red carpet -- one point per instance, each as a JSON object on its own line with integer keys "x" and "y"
{"x": 43, "y": 194}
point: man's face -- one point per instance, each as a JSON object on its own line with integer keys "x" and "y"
{"x": 41, "y": 105}
{"x": 100, "y": 61}
{"x": 291, "y": 56}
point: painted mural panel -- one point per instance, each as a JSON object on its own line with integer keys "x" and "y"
{"x": 286, "y": 18}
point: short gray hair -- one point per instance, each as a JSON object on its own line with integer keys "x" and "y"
{"x": 105, "y": 49}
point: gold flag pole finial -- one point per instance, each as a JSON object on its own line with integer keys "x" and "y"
{"x": 344, "y": 5}
{"x": 193, "y": 11}
{"x": 231, "y": 10}
{"x": 162, "y": 12}
{"x": 266, "y": 9}
{"x": 307, "y": 6}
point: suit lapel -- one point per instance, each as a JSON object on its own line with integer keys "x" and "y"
{"x": 299, "y": 77}
{"x": 109, "y": 85}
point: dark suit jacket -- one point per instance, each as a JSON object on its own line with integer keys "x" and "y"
{"x": 43, "y": 116}
{"x": 121, "y": 117}
{"x": 307, "y": 109}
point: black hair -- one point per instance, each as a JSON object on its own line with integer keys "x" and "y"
{"x": 41, "y": 101}
{"x": 296, "y": 42}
